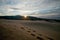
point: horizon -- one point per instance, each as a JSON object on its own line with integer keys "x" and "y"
{"x": 26, "y": 16}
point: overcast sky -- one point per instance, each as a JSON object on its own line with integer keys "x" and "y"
{"x": 38, "y": 8}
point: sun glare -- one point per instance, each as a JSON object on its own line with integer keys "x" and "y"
{"x": 25, "y": 16}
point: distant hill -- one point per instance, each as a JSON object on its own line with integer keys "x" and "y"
{"x": 18, "y": 17}
{"x": 11, "y": 17}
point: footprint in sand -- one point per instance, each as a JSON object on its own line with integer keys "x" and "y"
{"x": 34, "y": 31}
{"x": 32, "y": 34}
{"x": 39, "y": 38}
{"x": 49, "y": 38}
{"x": 29, "y": 31}
{"x": 35, "y": 35}
{"x": 22, "y": 28}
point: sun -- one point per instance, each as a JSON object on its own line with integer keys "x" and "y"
{"x": 25, "y": 16}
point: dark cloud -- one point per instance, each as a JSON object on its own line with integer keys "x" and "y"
{"x": 55, "y": 0}
{"x": 15, "y": 8}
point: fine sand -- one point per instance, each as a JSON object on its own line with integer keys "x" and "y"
{"x": 29, "y": 30}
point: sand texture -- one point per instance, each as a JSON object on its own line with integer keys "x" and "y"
{"x": 29, "y": 30}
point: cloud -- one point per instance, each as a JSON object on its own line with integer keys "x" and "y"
{"x": 30, "y": 7}
{"x": 9, "y": 2}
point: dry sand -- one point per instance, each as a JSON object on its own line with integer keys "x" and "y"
{"x": 29, "y": 30}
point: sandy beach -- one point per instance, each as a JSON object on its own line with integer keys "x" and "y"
{"x": 29, "y": 30}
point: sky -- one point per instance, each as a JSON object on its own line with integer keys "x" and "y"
{"x": 37, "y": 8}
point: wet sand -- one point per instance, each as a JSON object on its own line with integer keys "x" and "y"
{"x": 29, "y": 30}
